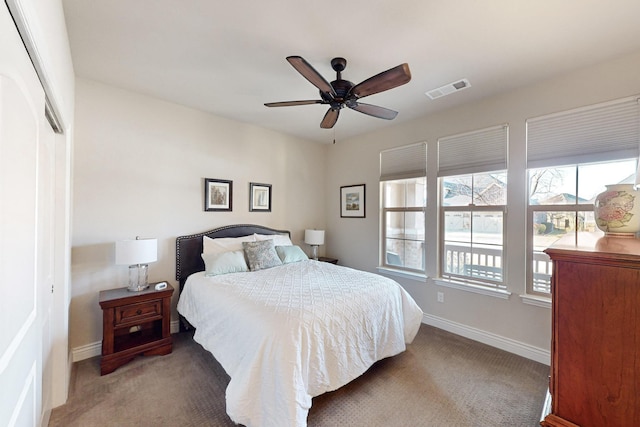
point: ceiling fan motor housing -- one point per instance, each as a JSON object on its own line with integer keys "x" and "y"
{"x": 342, "y": 88}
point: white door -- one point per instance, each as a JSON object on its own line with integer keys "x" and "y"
{"x": 24, "y": 305}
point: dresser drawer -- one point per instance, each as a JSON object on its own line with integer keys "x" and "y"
{"x": 140, "y": 312}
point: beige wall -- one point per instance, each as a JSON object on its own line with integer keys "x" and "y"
{"x": 355, "y": 241}
{"x": 139, "y": 165}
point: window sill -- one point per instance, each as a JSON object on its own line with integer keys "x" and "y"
{"x": 419, "y": 277}
{"x": 536, "y": 300}
{"x": 496, "y": 293}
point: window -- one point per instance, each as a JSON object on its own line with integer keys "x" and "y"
{"x": 561, "y": 207}
{"x": 571, "y": 155}
{"x": 473, "y": 197}
{"x": 403, "y": 223}
{"x": 473, "y": 208}
{"x": 403, "y": 186}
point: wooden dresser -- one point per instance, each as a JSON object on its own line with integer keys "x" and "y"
{"x": 595, "y": 348}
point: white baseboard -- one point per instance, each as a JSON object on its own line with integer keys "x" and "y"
{"x": 175, "y": 326}
{"x": 86, "y": 351}
{"x": 95, "y": 349}
{"x": 507, "y": 344}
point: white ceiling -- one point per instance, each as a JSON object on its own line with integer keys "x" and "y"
{"x": 228, "y": 58}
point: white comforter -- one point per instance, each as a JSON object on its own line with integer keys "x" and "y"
{"x": 292, "y": 332}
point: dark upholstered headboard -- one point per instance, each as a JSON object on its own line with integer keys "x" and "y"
{"x": 189, "y": 248}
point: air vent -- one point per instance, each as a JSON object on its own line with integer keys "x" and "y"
{"x": 448, "y": 89}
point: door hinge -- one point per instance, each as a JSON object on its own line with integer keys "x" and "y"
{"x": 51, "y": 288}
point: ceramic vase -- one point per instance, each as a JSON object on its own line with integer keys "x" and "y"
{"x": 617, "y": 210}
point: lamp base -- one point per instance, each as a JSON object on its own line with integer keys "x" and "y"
{"x": 314, "y": 252}
{"x": 138, "y": 277}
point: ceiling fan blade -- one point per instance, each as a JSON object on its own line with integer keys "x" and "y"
{"x": 310, "y": 73}
{"x": 292, "y": 103}
{"x": 373, "y": 110}
{"x": 330, "y": 119}
{"x": 386, "y": 80}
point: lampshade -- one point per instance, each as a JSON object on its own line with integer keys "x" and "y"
{"x": 137, "y": 254}
{"x": 139, "y": 251}
{"x": 314, "y": 237}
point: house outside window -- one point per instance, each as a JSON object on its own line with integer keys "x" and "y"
{"x": 403, "y": 188}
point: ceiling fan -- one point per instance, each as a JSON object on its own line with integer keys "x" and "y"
{"x": 340, "y": 93}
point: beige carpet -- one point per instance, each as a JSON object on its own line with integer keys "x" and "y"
{"x": 441, "y": 380}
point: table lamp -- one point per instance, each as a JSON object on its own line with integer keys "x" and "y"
{"x": 137, "y": 254}
{"x": 314, "y": 238}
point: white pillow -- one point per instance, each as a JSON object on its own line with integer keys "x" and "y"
{"x": 278, "y": 239}
{"x": 224, "y": 244}
{"x": 224, "y": 263}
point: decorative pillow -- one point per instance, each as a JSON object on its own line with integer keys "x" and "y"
{"x": 261, "y": 254}
{"x": 278, "y": 239}
{"x": 224, "y": 263}
{"x": 224, "y": 244}
{"x": 291, "y": 253}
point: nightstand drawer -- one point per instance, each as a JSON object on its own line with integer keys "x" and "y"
{"x": 134, "y": 313}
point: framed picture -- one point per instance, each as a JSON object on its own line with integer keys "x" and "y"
{"x": 352, "y": 204}
{"x": 259, "y": 197}
{"x": 218, "y": 194}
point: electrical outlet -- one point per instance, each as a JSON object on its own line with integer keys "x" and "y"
{"x": 440, "y": 296}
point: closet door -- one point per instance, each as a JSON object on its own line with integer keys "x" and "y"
{"x": 45, "y": 244}
{"x": 24, "y": 302}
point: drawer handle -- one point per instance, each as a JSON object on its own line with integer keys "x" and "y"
{"x": 139, "y": 312}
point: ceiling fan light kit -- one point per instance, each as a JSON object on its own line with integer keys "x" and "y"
{"x": 342, "y": 93}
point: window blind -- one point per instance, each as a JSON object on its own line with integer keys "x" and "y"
{"x": 472, "y": 152}
{"x": 601, "y": 132}
{"x": 409, "y": 161}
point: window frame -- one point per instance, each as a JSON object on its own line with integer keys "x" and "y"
{"x": 468, "y": 280}
{"x": 575, "y": 208}
{"x": 383, "y": 229}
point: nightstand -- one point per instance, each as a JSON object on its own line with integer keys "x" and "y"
{"x": 134, "y": 323}
{"x": 327, "y": 259}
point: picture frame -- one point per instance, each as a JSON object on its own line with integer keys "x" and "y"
{"x": 218, "y": 195}
{"x": 259, "y": 197}
{"x": 352, "y": 201}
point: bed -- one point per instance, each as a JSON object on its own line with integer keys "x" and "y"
{"x": 290, "y": 331}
